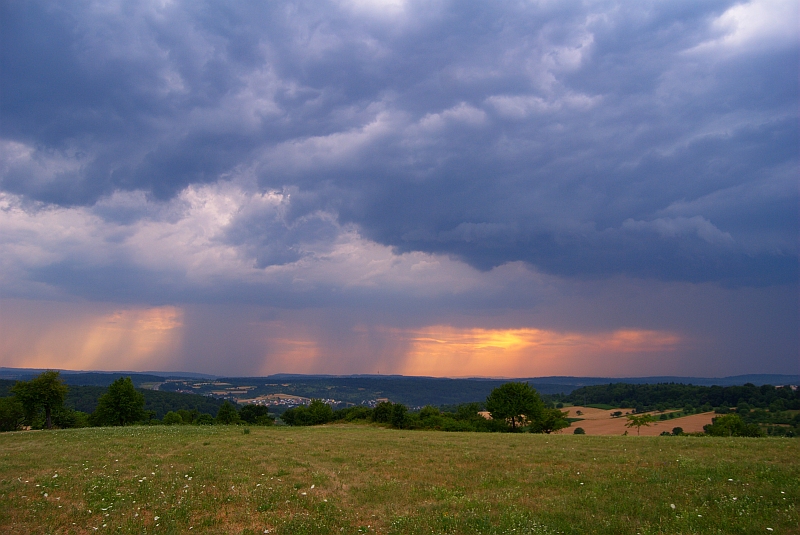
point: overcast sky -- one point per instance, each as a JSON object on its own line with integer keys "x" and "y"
{"x": 387, "y": 186}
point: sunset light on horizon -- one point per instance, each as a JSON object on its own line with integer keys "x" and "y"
{"x": 450, "y": 189}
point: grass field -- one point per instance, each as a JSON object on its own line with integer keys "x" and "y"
{"x": 362, "y": 479}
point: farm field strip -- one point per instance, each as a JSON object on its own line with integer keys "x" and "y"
{"x": 600, "y": 422}
{"x": 363, "y": 479}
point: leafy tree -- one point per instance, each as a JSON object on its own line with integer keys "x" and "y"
{"x": 677, "y": 431}
{"x": 227, "y": 414}
{"x": 172, "y": 418}
{"x": 318, "y": 412}
{"x": 732, "y": 425}
{"x": 188, "y": 416}
{"x": 579, "y": 431}
{"x": 12, "y": 415}
{"x": 550, "y": 420}
{"x": 256, "y": 414}
{"x": 66, "y": 417}
{"x": 45, "y": 391}
{"x": 122, "y": 404}
{"x": 398, "y": 415}
{"x": 638, "y": 422}
{"x": 382, "y": 413}
{"x": 204, "y": 419}
{"x": 514, "y": 403}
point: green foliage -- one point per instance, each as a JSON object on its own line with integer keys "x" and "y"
{"x": 12, "y": 415}
{"x": 318, "y": 412}
{"x": 514, "y": 403}
{"x": 732, "y": 425}
{"x": 204, "y": 419}
{"x": 398, "y": 415}
{"x": 44, "y": 392}
{"x": 85, "y": 398}
{"x": 121, "y": 405}
{"x": 643, "y": 420}
{"x": 579, "y": 431}
{"x": 382, "y": 413}
{"x": 256, "y": 415}
{"x": 646, "y": 397}
{"x": 353, "y": 414}
{"x": 227, "y": 414}
{"x": 549, "y": 421}
{"x": 172, "y": 418}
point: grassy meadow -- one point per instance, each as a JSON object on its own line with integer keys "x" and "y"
{"x": 363, "y": 479}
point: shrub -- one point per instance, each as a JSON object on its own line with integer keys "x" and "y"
{"x": 227, "y": 414}
{"x": 677, "y": 431}
{"x": 204, "y": 419}
{"x": 732, "y": 425}
{"x": 172, "y": 418}
{"x": 12, "y": 414}
{"x": 579, "y": 431}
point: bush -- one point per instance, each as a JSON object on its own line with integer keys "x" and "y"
{"x": 227, "y": 414}
{"x": 172, "y": 418}
{"x": 732, "y": 425}
{"x": 579, "y": 431}
{"x": 398, "y": 415}
{"x": 256, "y": 415}
{"x": 204, "y": 419}
{"x": 12, "y": 414}
{"x": 317, "y": 413}
{"x": 677, "y": 431}
{"x": 382, "y": 413}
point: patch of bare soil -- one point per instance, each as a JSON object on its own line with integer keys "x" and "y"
{"x": 600, "y": 422}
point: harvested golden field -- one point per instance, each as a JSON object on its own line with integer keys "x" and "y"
{"x": 600, "y": 422}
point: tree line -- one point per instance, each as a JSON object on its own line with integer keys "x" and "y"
{"x": 662, "y": 396}
{"x": 513, "y": 407}
{"x": 45, "y": 402}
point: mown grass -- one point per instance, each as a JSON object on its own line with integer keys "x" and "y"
{"x": 361, "y": 479}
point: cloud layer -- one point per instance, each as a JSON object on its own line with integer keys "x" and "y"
{"x": 429, "y": 159}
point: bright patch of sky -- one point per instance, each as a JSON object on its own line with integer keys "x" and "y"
{"x": 314, "y": 186}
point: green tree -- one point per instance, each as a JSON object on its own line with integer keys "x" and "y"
{"x": 550, "y": 420}
{"x": 204, "y": 419}
{"x": 122, "y": 404}
{"x": 172, "y": 418}
{"x": 382, "y": 413}
{"x": 227, "y": 414}
{"x": 398, "y": 415}
{"x": 320, "y": 412}
{"x": 45, "y": 391}
{"x": 732, "y": 425}
{"x": 256, "y": 415}
{"x": 640, "y": 421}
{"x": 12, "y": 415}
{"x": 515, "y": 403}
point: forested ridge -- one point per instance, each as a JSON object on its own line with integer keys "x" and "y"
{"x": 675, "y": 395}
{"x": 85, "y": 398}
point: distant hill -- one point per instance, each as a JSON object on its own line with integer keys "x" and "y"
{"x": 366, "y": 389}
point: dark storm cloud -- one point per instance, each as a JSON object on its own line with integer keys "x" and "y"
{"x": 652, "y": 139}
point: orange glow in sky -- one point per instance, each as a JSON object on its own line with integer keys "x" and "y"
{"x": 448, "y": 351}
{"x": 80, "y": 337}
{"x": 123, "y": 339}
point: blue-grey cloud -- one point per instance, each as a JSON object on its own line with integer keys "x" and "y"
{"x": 650, "y": 140}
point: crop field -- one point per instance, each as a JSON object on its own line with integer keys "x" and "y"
{"x": 363, "y": 479}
